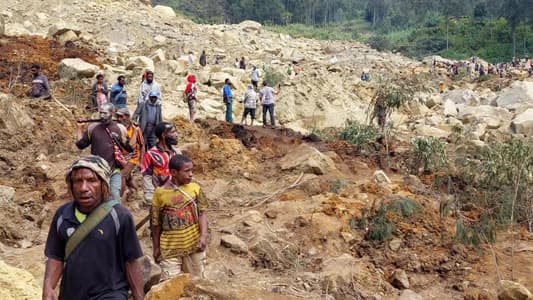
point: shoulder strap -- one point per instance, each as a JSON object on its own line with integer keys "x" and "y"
{"x": 193, "y": 201}
{"x": 86, "y": 227}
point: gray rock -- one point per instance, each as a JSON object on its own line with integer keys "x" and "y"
{"x": 494, "y": 117}
{"x": 308, "y": 160}
{"x": 151, "y": 272}
{"x": 380, "y": 177}
{"x": 399, "y": 279}
{"x": 76, "y": 68}
{"x": 509, "y": 290}
{"x": 409, "y": 295}
{"x": 250, "y": 26}
{"x": 165, "y": 11}
{"x": 67, "y": 36}
{"x": 518, "y": 96}
{"x": 7, "y": 195}
{"x": 235, "y": 244}
{"x": 523, "y": 123}
{"x": 450, "y": 110}
{"x": 60, "y": 28}
{"x": 395, "y": 244}
{"x": 140, "y": 62}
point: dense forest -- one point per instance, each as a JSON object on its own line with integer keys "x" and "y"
{"x": 495, "y": 30}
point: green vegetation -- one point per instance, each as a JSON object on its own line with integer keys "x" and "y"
{"x": 272, "y": 76}
{"x": 359, "y": 134}
{"x": 381, "y": 223}
{"x": 493, "y": 30}
{"x": 429, "y": 153}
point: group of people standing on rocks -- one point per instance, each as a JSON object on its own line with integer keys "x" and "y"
{"x": 92, "y": 245}
{"x": 250, "y": 97}
{"x": 475, "y": 68}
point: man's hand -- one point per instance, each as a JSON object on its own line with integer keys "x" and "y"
{"x": 49, "y": 294}
{"x": 157, "y": 254}
{"x": 202, "y": 243}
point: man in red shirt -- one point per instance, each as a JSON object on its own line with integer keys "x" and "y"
{"x": 154, "y": 166}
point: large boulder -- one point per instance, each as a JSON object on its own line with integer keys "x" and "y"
{"x": 450, "y": 110}
{"x": 140, "y": 62}
{"x": 510, "y": 290}
{"x": 459, "y": 96}
{"x": 235, "y": 244}
{"x": 16, "y": 283}
{"x": 13, "y": 116}
{"x": 308, "y": 160}
{"x": 494, "y": 117}
{"x": 76, "y": 68}
{"x": 165, "y": 11}
{"x": 67, "y": 36}
{"x": 16, "y": 29}
{"x": 518, "y": 96}
{"x": 250, "y": 26}
{"x": 523, "y": 123}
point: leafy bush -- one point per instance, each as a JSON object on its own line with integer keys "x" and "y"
{"x": 428, "y": 152}
{"x": 381, "y": 224}
{"x": 273, "y": 77}
{"x": 359, "y": 134}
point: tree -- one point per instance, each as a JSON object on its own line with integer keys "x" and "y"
{"x": 515, "y": 12}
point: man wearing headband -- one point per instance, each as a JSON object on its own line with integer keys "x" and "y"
{"x": 103, "y": 264}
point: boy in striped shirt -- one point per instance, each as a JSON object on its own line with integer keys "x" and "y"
{"x": 179, "y": 222}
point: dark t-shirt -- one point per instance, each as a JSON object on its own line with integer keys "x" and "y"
{"x": 96, "y": 268}
{"x": 100, "y": 141}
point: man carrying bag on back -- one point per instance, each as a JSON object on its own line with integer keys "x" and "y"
{"x": 92, "y": 245}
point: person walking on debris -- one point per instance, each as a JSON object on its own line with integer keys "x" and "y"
{"x": 267, "y": 101}
{"x": 190, "y": 95}
{"x": 242, "y": 63}
{"x": 179, "y": 222}
{"x": 148, "y": 114}
{"x": 99, "y": 92}
{"x": 39, "y": 84}
{"x": 227, "y": 96}
{"x": 203, "y": 59}
{"x": 250, "y": 103}
{"x": 136, "y": 141}
{"x": 118, "y": 95}
{"x": 107, "y": 139}
{"x": 148, "y": 85}
{"x": 255, "y": 77}
{"x": 154, "y": 166}
{"x": 92, "y": 245}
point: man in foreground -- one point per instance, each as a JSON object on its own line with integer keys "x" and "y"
{"x": 179, "y": 222}
{"x": 101, "y": 264}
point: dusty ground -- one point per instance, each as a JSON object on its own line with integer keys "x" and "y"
{"x": 296, "y": 237}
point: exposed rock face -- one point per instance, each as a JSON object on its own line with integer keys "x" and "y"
{"x": 510, "y": 290}
{"x": 308, "y": 160}
{"x": 494, "y": 117}
{"x": 140, "y": 62}
{"x": 523, "y": 123}
{"x": 16, "y": 283}
{"x": 165, "y": 11}
{"x": 16, "y": 29}
{"x": 7, "y": 194}
{"x": 76, "y": 68}
{"x": 15, "y": 116}
{"x": 518, "y": 96}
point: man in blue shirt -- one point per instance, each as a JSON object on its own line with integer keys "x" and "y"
{"x": 119, "y": 97}
{"x": 227, "y": 95}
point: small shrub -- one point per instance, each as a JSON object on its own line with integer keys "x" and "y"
{"x": 379, "y": 43}
{"x": 428, "y": 152}
{"x": 380, "y": 227}
{"x": 272, "y": 77}
{"x": 359, "y": 134}
{"x": 405, "y": 207}
{"x": 380, "y": 224}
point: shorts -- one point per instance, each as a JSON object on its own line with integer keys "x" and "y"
{"x": 250, "y": 111}
{"x": 193, "y": 264}
{"x": 192, "y": 105}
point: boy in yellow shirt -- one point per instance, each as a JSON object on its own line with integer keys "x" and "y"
{"x": 179, "y": 222}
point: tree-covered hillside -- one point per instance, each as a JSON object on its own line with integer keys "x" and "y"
{"x": 495, "y": 30}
